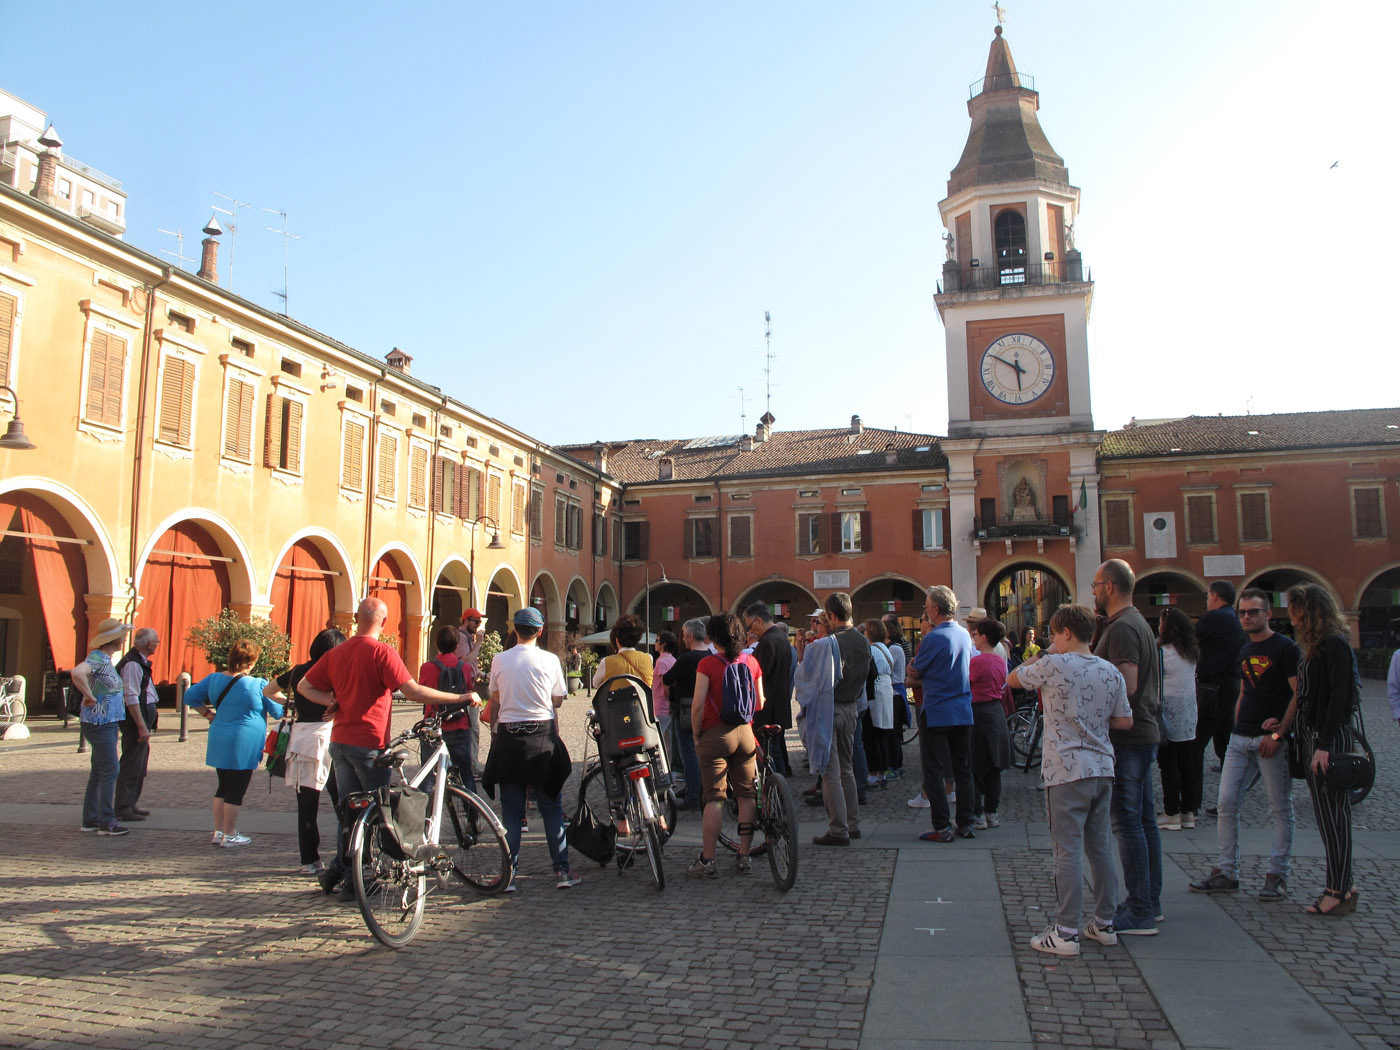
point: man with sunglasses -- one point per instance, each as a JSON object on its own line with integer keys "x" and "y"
{"x": 1258, "y": 747}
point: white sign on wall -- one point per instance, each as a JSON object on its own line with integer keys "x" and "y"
{"x": 831, "y": 579}
{"x": 1159, "y": 534}
{"x": 1215, "y": 565}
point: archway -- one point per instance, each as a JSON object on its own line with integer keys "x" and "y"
{"x": 672, "y": 604}
{"x": 393, "y": 580}
{"x": 503, "y": 597}
{"x": 307, "y": 593}
{"x": 185, "y": 579}
{"x": 788, "y": 601}
{"x": 889, "y": 594}
{"x": 1024, "y": 595}
{"x": 577, "y": 607}
{"x": 1276, "y": 580}
{"x": 53, "y": 556}
{"x": 544, "y": 597}
{"x": 452, "y": 593}
{"x": 1378, "y": 610}
{"x": 1160, "y": 588}
{"x": 606, "y": 609}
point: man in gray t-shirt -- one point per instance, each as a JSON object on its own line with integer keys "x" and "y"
{"x": 1129, "y": 645}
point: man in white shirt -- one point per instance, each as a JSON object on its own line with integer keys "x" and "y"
{"x": 527, "y": 687}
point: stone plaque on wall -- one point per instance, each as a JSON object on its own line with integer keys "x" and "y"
{"x": 831, "y": 579}
{"x": 1159, "y": 534}
{"x": 1216, "y": 565}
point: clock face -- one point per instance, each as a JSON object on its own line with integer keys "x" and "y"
{"x": 1017, "y": 368}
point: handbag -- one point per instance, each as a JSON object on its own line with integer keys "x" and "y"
{"x": 275, "y": 748}
{"x": 586, "y": 834}
{"x": 1352, "y": 769}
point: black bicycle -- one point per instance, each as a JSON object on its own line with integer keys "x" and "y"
{"x": 775, "y": 818}
{"x": 1026, "y": 726}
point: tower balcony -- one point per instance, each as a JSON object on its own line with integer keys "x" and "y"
{"x": 1020, "y": 527}
{"x": 1013, "y": 274}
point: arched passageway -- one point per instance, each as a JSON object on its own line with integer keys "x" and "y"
{"x": 1025, "y": 595}
{"x": 672, "y": 604}
{"x": 304, "y": 595}
{"x": 185, "y": 580}
{"x": 872, "y": 600}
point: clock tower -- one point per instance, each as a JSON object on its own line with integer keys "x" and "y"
{"x": 1015, "y": 308}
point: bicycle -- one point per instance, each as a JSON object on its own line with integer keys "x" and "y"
{"x": 462, "y": 840}
{"x": 775, "y": 816}
{"x": 1026, "y": 727}
{"x": 12, "y": 709}
{"x": 631, "y": 781}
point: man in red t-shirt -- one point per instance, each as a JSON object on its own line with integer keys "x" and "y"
{"x": 356, "y": 680}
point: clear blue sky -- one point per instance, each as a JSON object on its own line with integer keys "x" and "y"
{"x": 574, "y": 215}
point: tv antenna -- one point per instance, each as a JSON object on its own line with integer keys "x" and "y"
{"x": 768, "y": 363}
{"x": 743, "y": 416}
{"x": 287, "y": 236}
{"x": 233, "y": 225}
{"x": 179, "y": 253}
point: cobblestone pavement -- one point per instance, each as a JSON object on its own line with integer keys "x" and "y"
{"x": 156, "y": 940}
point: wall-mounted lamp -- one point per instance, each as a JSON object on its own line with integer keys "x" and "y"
{"x": 328, "y": 379}
{"x": 974, "y": 264}
{"x": 14, "y": 434}
{"x": 1049, "y": 256}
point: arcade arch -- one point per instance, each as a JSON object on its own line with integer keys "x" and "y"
{"x": 544, "y": 596}
{"x": 503, "y": 596}
{"x": 606, "y": 609}
{"x": 576, "y": 605}
{"x": 889, "y": 594}
{"x": 452, "y": 593}
{"x": 312, "y": 589}
{"x": 1025, "y": 593}
{"x": 1276, "y": 579}
{"x": 1159, "y": 588}
{"x": 672, "y": 603}
{"x": 1378, "y": 609}
{"x": 788, "y": 600}
{"x": 396, "y": 581}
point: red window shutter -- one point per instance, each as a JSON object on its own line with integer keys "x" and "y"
{"x": 835, "y": 541}
{"x": 947, "y": 543}
{"x": 867, "y": 535}
{"x": 741, "y": 536}
{"x": 688, "y": 538}
{"x": 8, "y": 306}
{"x": 918, "y": 529}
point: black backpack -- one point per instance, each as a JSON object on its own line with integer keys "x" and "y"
{"x": 451, "y": 679}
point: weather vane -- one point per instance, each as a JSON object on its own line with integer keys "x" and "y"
{"x": 1001, "y": 13}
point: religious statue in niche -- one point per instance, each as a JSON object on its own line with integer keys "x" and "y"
{"x": 1069, "y": 236}
{"x": 1023, "y": 501}
{"x": 948, "y": 243}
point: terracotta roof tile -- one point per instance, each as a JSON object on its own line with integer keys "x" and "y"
{"x": 1202, "y": 435}
{"x": 785, "y": 453}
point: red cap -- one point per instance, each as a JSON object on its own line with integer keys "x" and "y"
{"x": 472, "y": 614}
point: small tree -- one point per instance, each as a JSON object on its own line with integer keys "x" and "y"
{"x": 589, "y": 656}
{"x": 490, "y": 646}
{"x": 215, "y": 636}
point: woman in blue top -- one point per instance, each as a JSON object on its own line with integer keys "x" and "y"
{"x": 103, "y": 709}
{"x": 237, "y": 712}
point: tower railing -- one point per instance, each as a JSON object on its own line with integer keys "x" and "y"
{"x": 1001, "y": 82}
{"x": 1011, "y": 274}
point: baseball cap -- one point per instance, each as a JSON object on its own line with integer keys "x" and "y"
{"x": 472, "y": 614}
{"x": 528, "y": 617}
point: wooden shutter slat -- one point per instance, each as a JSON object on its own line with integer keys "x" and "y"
{"x": 292, "y": 451}
{"x": 417, "y": 476}
{"x": 239, "y": 439}
{"x": 644, "y": 534}
{"x": 97, "y": 376}
{"x": 272, "y": 436}
{"x": 945, "y": 516}
{"x": 918, "y": 530}
{"x": 388, "y": 456}
{"x": 8, "y": 307}
{"x": 116, "y": 375}
{"x": 837, "y": 541}
{"x": 867, "y": 534}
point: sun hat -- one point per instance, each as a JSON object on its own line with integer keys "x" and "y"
{"x": 109, "y": 630}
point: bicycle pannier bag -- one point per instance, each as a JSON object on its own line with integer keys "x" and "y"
{"x": 405, "y": 816}
{"x": 738, "y": 699}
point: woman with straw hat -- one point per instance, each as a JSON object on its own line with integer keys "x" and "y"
{"x": 102, "y": 712}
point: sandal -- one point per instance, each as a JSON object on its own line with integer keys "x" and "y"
{"x": 1345, "y": 904}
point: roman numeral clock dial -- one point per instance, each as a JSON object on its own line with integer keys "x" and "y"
{"x": 1017, "y": 369}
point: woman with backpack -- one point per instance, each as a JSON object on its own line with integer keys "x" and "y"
{"x": 308, "y": 751}
{"x": 728, "y": 690}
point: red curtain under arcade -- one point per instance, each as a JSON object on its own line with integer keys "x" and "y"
{"x": 60, "y": 572}
{"x": 184, "y": 581}
{"x": 303, "y": 597}
{"x": 385, "y": 584}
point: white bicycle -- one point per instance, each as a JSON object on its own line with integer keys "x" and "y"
{"x": 12, "y": 709}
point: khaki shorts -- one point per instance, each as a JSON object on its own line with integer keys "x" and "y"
{"x": 726, "y": 751}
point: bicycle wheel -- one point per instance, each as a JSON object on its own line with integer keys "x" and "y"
{"x": 389, "y": 891}
{"x": 1024, "y": 725}
{"x": 474, "y": 841}
{"x": 15, "y": 713}
{"x": 780, "y": 827}
{"x": 911, "y": 733}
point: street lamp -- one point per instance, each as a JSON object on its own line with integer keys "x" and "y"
{"x": 14, "y": 434}
{"x": 648, "y": 592}
{"x": 494, "y": 545}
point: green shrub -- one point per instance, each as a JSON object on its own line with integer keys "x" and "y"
{"x": 215, "y": 636}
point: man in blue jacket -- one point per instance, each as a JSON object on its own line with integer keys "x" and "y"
{"x": 945, "y": 719}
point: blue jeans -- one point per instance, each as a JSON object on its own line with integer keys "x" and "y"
{"x": 460, "y": 749}
{"x": 1242, "y": 763}
{"x": 102, "y": 781}
{"x": 354, "y": 771}
{"x": 1135, "y": 827}
{"x": 513, "y": 812}
{"x": 689, "y": 760}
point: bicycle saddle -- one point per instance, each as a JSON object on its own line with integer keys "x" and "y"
{"x": 388, "y": 759}
{"x": 764, "y": 732}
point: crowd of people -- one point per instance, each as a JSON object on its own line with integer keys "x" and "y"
{"x": 1117, "y": 699}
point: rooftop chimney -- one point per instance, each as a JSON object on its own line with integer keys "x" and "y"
{"x": 665, "y": 468}
{"x": 399, "y": 361}
{"x": 45, "y": 189}
{"x": 764, "y": 430}
{"x": 890, "y": 454}
{"x": 600, "y": 457}
{"x": 209, "y": 258}
{"x": 856, "y": 427}
{"x": 746, "y": 443}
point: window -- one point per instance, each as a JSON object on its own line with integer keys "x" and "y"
{"x": 700, "y": 538}
{"x": 741, "y": 536}
{"x": 635, "y": 546}
{"x": 1009, "y": 231}
{"x": 469, "y": 507}
{"x": 493, "y": 498}
{"x": 536, "y": 515}
{"x": 929, "y": 529}
{"x": 355, "y": 394}
{"x": 517, "y": 508}
{"x": 1254, "y": 517}
{"x": 418, "y": 477}
{"x": 388, "y": 408}
{"x": 446, "y": 431}
{"x": 574, "y": 537}
{"x": 106, "y": 378}
{"x": 1117, "y": 522}
{"x": 1368, "y": 513}
{"x": 65, "y": 189}
{"x": 420, "y": 421}
{"x": 811, "y": 533}
{"x": 176, "y": 400}
{"x": 242, "y": 346}
{"x": 238, "y": 421}
{"x": 88, "y": 199}
{"x": 282, "y": 439}
{"x": 9, "y": 307}
{"x": 561, "y": 518}
{"x": 445, "y": 485}
{"x": 181, "y": 322}
{"x": 387, "y": 486}
{"x": 1200, "y": 518}
{"x": 855, "y": 531}
{"x": 1060, "y": 513}
{"x": 352, "y": 455}
{"x": 600, "y": 536}
{"x": 290, "y": 367}
{"x": 987, "y": 508}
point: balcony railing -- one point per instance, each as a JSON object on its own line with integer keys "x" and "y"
{"x": 1012, "y": 274}
{"x": 1001, "y": 82}
{"x": 1023, "y": 528}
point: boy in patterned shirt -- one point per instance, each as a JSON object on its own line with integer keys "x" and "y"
{"x": 1082, "y": 697}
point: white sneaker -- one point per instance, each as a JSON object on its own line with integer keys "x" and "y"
{"x": 1051, "y": 941}
{"x": 1102, "y": 932}
{"x": 235, "y": 840}
{"x": 1188, "y": 821}
{"x": 919, "y": 802}
{"x": 566, "y": 880}
{"x": 216, "y": 839}
{"x": 952, "y": 798}
{"x": 1169, "y": 822}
